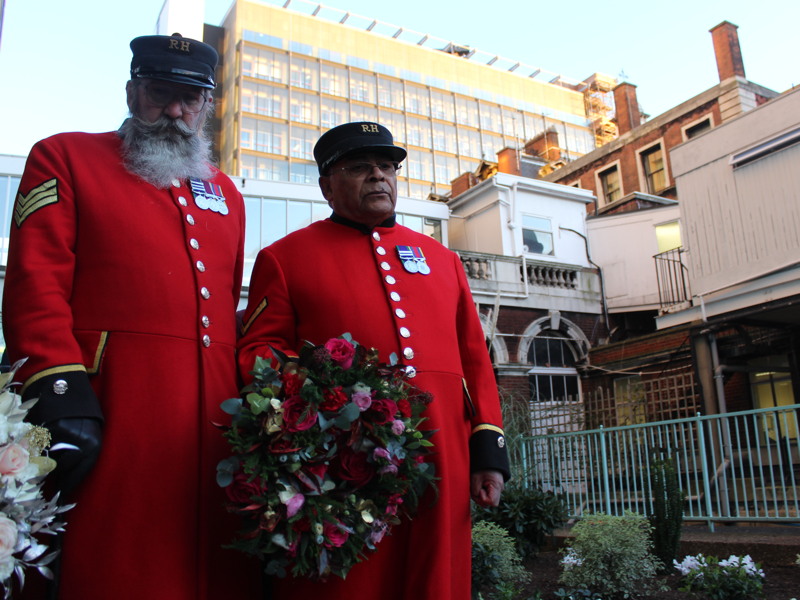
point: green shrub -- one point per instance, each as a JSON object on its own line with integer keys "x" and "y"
{"x": 497, "y": 570}
{"x": 667, "y": 510}
{"x": 611, "y": 556}
{"x": 527, "y": 514}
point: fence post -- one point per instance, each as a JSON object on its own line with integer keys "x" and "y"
{"x": 701, "y": 440}
{"x": 604, "y": 462}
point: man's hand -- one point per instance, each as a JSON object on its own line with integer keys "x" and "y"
{"x": 80, "y": 440}
{"x": 486, "y": 487}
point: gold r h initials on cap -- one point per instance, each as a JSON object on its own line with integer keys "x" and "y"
{"x": 369, "y": 128}
{"x": 181, "y": 45}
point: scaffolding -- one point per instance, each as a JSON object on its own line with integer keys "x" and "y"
{"x": 598, "y": 98}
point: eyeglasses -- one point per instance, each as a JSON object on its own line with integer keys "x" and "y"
{"x": 160, "y": 96}
{"x": 357, "y": 170}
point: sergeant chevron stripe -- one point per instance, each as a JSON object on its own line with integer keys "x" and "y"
{"x": 38, "y": 197}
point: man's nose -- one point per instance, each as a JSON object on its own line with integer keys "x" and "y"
{"x": 174, "y": 109}
{"x": 377, "y": 173}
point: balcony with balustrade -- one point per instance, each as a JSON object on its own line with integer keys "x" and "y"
{"x": 530, "y": 283}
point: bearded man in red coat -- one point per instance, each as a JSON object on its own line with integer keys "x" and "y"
{"x": 123, "y": 280}
{"x": 400, "y": 292}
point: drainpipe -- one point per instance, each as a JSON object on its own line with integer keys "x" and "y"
{"x": 599, "y": 275}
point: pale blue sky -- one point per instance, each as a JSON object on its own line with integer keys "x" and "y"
{"x": 63, "y": 65}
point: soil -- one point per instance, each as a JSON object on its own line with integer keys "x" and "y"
{"x": 782, "y": 582}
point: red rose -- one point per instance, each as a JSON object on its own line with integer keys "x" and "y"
{"x": 333, "y": 399}
{"x": 298, "y": 415}
{"x": 382, "y": 411}
{"x": 242, "y": 490}
{"x": 292, "y": 383}
{"x": 341, "y": 351}
{"x": 353, "y": 467}
{"x": 404, "y": 406}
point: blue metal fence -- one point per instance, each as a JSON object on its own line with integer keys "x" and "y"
{"x": 741, "y": 466}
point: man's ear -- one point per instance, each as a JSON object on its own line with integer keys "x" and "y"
{"x": 130, "y": 92}
{"x": 327, "y": 190}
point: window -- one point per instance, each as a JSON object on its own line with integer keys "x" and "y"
{"x": 553, "y": 376}
{"x": 362, "y": 87}
{"x": 694, "y": 130}
{"x": 304, "y": 73}
{"x": 417, "y": 100}
{"x": 629, "y": 400}
{"x": 390, "y": 93}
{"x": 612, "y": 189}
{"x": 9, "y": 186}
{"x": 655, "y": 174}
{"x": 668, "y": 236}
{"x": 301, "y": 143}
{"x": 333, "y": 80}
{"x": 537, "y": 236}
{"x": 303, "y": 108}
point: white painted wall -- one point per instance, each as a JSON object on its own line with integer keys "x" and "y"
{"x": 740, "y": 223}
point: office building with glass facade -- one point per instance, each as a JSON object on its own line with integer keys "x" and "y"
{"x": 289, "y": 74}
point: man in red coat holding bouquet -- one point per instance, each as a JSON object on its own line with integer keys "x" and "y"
{"x": 400, "y": 292}
{"x": 123, "y": 280}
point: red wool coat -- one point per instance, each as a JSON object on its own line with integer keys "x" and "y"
{"x": 134, "y": 290}
{"x": 331, "y": 278}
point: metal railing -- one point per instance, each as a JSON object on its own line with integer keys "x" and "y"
{"x": 673, "y": 278}
{"x": 741, "y": 466}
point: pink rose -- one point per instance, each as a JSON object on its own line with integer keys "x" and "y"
{"x": 398, "y": 427}
{"x": 13, "y": 458}
{"x": 381, "y": 453}
{"x": 8, "y": 537}
{"x": 363, "y": 400}
{"x": 342, "y": 352}
{"x": 382, "y": 411}
{"x": 388, "y": 469}
{"x": 298, "y": 415}
{"x": 294, "y": 504}
{"x": 334, "y": 534}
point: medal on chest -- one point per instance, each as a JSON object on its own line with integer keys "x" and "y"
{"x": 413, "y": 259}
{"x": 208, "y": 196}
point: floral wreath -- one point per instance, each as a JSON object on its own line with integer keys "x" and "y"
{"x": 328, "y": 455}
{"x": 24, "y": 512}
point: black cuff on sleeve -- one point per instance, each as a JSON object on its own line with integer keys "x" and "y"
{"x": 78, "y": 399}
{"x": 487, "y": 451}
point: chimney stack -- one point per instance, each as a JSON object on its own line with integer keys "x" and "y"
{"x": 727, "y": 51}
{"x": 545, "y": 145}
{"x": 508, "y": 161}
{"x": 626, "y": 107}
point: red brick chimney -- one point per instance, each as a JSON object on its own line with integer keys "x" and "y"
{"x": 626, "y": 107}
{"x": 462, "y": 183}
{"x": 727, "y": 51}
{"x": 545, "y": 145}
{"x": 508, "y": 161}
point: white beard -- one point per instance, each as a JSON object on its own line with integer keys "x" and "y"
{"x": 166, "y": 150}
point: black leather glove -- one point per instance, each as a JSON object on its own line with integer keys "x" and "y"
{"x": 85, "y": 437}
{"x": 68, "y": 408}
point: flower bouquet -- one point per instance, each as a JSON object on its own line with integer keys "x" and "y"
{"x": 24, "y": 513}
{"x": 328, "y": 455}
